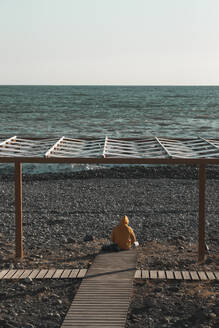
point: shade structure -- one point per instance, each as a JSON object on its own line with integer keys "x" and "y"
{"x": 98, "y": 148}
{"x": 106, "y": 150}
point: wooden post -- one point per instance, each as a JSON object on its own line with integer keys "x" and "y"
{"x": 201, "y": 222}
{"x": 18, "y": 210}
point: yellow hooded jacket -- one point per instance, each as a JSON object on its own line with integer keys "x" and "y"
{"x": 123, "y": 235}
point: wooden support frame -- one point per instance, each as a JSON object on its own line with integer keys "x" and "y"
{"x": 201, "y": 220}
{"x": 124, "y": 151}
{"x": 18, "y": 210}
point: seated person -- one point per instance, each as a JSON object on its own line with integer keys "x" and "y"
{"x": 123, "y": 235}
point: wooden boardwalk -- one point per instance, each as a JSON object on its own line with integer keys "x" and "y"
{"x": 43, "y": 273}
{"x": 177, "y": 275}
{"x": 81, "y": 273}
{"x": 103, "y": 297}
{"x": 104, "y": 294}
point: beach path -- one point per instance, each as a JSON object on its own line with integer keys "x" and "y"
{"x": 104, "y": 294}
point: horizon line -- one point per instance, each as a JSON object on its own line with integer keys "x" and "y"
{"x": 118, "y": 85}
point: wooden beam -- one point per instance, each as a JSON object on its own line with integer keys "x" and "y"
{"x": 111, "y": 160}
{"x": 201, "y": 221}
{"x": 18, "y": 210}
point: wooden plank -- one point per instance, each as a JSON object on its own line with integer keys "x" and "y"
{"x": 41, "y": 274}
{"x": 169, "y": 274}
{"x": 66, "y": 273}
{"x": 50, "y": 273}
{"x": 82, "y": 273}
{"x": 18, "y": 274}
{"x": 145, "y": 274}
{"x": 92, "y": 325}
{"x": 99, "y": 306}
{"x": 25, "y": 274}
{"x": 216, "y": 273}
{"x": 90, "y": 311}
{"x": 9, "y": 274}
{"x": 202, "y": 275}
{"x": 107, "y": 300}
{"x": 137, "y": 274}
{"x": 95, "y": 316}
{"x": 177, "y": 275}
{"x": 201, "y": 220}
{"x": 210, "y": 275}
{"x": 107, "y": 289}
{"x": 153, "y": 274}
{"x": 57, "y": 274}
{"x": 161, "y": 274}
{"x": 186, "y": 275}
{"x": 194, "y": 275}
{"x": 74, "y": 273}
{"x": 18, "y": 210}
{"x": 103, "y": 296}
{"x": 34, "y": 273}
{"x": 3, "y": 273}
{"x": 97, "y": 325}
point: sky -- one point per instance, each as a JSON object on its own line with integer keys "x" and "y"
{"x": 109, "y": 42}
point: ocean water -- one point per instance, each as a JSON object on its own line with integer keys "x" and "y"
{"x": 115, "y": 111}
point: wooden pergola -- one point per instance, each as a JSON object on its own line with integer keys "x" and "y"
{"x": 193, "y": 151}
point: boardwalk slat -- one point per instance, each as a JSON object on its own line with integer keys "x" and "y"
{"x": 65, "y": 273}
{"x": 137, "y": 274}
{"x": 216, "y": 273}
{"x": 41, "y": 274}
{"x": 89, "y": 311}
{"x": 210, "y": 275}
{"x": 169, "y": 274}
{"x": 177, "y": 275}
{"x": 194, "y": 275}
{"x": 50, "y": 273}
{"x": 96, "y": 325}
{"x": 101, "y": 320}
{"x": 145, "y": 274}
{"x": 98, "y": 306}
{"x": 3, "y": 273}
{"x": 161, "y": 274}
{"x": 58, "y": 273}
{"x": 92, "y": 325}
{"x": 82, "y": 273}
{"x": 34, "y": 273}
{"x": 202, "y": 275}
{"x": 186, "y": 275}
{"x": 74, "y": 273}
{"x": 153, "y": 274}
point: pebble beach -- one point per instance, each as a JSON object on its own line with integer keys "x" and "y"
{"x": 68, "y": 217}
{"x": 161, "y": 203}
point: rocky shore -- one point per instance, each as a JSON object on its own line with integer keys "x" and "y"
{"x": 62, "y": 209}
{"x": 68, "y": 217}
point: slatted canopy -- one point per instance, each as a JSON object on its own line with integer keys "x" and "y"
{"x": 108, "y": 148}
{"x": 153, "y": 150}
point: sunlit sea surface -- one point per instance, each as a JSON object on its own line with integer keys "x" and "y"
{"x": 115, "y": 111}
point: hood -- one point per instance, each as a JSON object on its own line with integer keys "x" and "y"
{"x": 124, "y": 220}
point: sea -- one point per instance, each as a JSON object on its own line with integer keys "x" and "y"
{"x": 99, "y": 111}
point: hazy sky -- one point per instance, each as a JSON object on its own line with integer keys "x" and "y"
{"x": 143, "y": 42}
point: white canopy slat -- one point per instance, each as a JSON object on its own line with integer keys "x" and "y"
{"x": 163, "y": 147}
{"x": 48, "y": 153}
{"x": 65, "y": 147}
{"x": 7, "y": 141}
